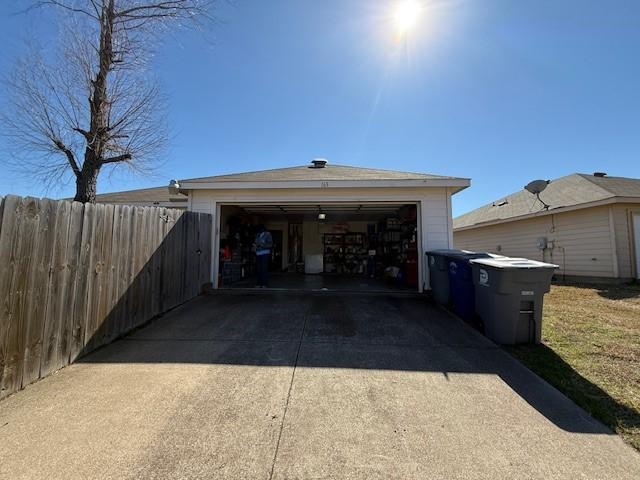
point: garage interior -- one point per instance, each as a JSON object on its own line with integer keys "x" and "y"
{"x": 322, "y": 247}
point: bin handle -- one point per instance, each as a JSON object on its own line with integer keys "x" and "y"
{"x": 532, "y": 335}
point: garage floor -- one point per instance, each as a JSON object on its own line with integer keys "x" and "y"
{"x": 296, "y": 281}
{"x": 278, "y": 385}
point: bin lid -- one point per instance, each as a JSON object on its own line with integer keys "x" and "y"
{"x": 511, "y": 263}
{"x": 467, "y": 255}
{"x": 446, "y": 252}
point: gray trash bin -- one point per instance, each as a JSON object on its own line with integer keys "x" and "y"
{"x": 439, "y": 274}
{"x": 509, "y": 296}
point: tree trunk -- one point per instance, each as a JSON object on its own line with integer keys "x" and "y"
{"x": 86, "y": 185}
{"x": 87, "y": 179}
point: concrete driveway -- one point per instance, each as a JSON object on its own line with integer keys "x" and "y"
{"x": 303, "y": 386}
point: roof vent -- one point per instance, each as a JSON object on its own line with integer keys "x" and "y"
{"x": 174, "y": 187}
{"x": 318, "y": 163}
{"x": 599, "y": 174}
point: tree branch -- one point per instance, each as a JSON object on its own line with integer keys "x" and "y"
{"x": 94, "y": 98}
{"x": 82, "y": 132}
{"x": 60, "y": 4}
{"x": 70, "y": 156}
{"x": 118, "y": 158}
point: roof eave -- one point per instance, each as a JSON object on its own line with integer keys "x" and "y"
{"x": 457, "y": 183}
{"x": 459, "y": 188}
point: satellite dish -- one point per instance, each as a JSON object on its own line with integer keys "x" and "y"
{"x": 536, "y": 187}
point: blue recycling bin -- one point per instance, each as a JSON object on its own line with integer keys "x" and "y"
{"x": 461, "y": 286}
{"x": 439, "y": 274}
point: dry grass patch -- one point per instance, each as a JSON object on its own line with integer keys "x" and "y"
{"x": 591, "y": 351}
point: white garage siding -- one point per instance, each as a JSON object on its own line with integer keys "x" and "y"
{"x": 434, "y": 207}
{"x": 582, "y": 240}
{"x": 436, "y": 216}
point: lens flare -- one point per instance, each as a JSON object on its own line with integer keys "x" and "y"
{"x": 405, "y": 16}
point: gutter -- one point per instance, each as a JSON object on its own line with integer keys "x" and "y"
{"x": 460, "y": 183}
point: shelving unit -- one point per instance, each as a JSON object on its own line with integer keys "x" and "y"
{"x": 344, "y": 253}
{"x": 355, "y": 253}
{"x": 333, "y": 250}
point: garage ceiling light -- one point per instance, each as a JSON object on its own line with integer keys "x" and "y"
{"x": 322, "y": 216}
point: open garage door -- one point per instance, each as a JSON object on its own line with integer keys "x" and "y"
{"x": 348, "y": 246}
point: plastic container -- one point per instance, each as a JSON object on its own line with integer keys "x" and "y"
{"x": 438, "y": 261}
{"x": 461, "y": 282}
{"x": 509, "y": 294}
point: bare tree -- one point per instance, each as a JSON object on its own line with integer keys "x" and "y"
{"x": 94, "y": 104}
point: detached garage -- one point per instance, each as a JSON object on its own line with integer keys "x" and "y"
{"x": 333, "y": 226}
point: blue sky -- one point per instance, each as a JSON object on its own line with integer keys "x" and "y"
{"x": 501, "y": 91}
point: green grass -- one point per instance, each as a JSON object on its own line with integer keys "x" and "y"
{"x": 591, "y": 352}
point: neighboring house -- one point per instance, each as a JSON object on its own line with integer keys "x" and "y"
{"x": 146, "y": 197}
{"x": 327, "y": 218}
{"x": 591, "y": 228}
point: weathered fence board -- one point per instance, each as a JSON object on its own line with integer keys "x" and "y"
{"x": 103, "y": 319}
{"x": 111, "y": 298}
{"x": 75, "y": 277}
{"x": 155, "y": 268}
{"x": 121, "y": 282}
{"x": 96, "y": 266}
{"x": 26, "y": 213}
{"x": 74, "y": 251}
{"x": 7, "y": 227}
{"x": 57, "y": 291}
{"x": 83, "y": 291}
{"x": 39, "y": 291}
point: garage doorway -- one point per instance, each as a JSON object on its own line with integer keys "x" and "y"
{"x": 353, "y": 247}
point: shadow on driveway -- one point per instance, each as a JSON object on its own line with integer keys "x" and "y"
{"x": 405, "y": 333}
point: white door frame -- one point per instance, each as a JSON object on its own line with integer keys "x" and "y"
{"x": 217, "y": 208}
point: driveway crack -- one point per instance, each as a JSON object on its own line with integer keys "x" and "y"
{"x": 286, "y": 405}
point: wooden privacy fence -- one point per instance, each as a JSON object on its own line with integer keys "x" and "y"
{"x": 76, "y": 276}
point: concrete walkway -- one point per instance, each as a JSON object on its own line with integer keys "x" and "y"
{"x": 303, "y": 386}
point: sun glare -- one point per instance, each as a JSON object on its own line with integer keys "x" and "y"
{"x": 405, "y": 15}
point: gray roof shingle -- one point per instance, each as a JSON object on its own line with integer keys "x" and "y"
{"x": 144, "y": 195}
{"x": 572, "y": 190}
{"x": 329, "y": 172}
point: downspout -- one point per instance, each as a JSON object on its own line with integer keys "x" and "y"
{"x": 559, "y": 247}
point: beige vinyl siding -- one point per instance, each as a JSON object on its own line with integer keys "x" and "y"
{"x": 580, "y": 241}
{"x": 624, "y": 237}
{"x": 514, "y": 239}
{"x": 585, "y": 236}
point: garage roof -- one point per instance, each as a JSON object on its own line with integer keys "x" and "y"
{"x": 310, "y": 176}
{"x": 574, "y": 190}
{"x": 328, "y": 172}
